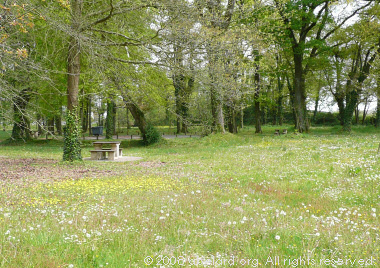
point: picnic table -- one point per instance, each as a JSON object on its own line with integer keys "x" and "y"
{"x": 100, "y": 153}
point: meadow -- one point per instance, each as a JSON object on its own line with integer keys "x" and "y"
{"x": 246, "y": 200}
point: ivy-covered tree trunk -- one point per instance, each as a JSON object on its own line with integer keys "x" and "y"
{"x": 71, "y": 144}
{"x": 21, "y": 125}
{"x": 71, "y": 150}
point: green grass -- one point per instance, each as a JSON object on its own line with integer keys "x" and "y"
{"x": 311, "y": 197}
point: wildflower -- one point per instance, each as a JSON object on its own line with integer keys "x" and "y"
{"x": 277, "y": 237}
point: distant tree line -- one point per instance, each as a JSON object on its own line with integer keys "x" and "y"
{"x": 215, "y": 64}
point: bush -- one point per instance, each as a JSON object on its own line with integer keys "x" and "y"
{"x": 327, "y": 119}
{"x": 152, "y": 135}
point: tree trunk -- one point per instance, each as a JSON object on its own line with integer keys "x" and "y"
{"x": 71, "y": 144}
{"x": 110, "y": 119}
{"x": 231, "y": 120}
{"x": 241, "y": 116}
{"x": 73, "y": 74}
{"x": 279, "y": 113}
{"x": 39, "y": 124}
{"x": 340, "y": 101}
{"x": 377, "y": 119}
{"x": 50, "y": 125}
{"x": 185, "y": 102}
{"x": 291, "y": 98}
{"x": 84, "y": 112}
{"x": 58, "y": 123}
{"x": 128, "y": 121}
{"x": 357, "y": 114}
{"x": 316, "y": 105}
{"x": 138, "y": 115}
{"x": 216, "y": 110}
{"x": 21, "y": 125}
{"x": 257, "y": 97}
{"x": 365, "y": 110}
{"x": 73, "y": 59}
{"x": 351, "y": 103}
{"x": 89, "y": 106}
{"x": 302, "y": 123}
{"x": 178, "y": 87}
{"x": 114, "y": 111}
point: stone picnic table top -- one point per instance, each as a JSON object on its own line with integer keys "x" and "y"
{"x": 114, "y": 146}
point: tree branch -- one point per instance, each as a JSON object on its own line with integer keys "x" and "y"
{"x": 345, "y": 20}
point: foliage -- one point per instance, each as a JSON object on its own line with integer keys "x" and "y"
{"x": 71, "y": 143}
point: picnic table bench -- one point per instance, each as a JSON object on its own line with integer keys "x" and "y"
{"x": 100, "y": 153}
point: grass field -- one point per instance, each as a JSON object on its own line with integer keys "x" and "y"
{"x": 220, "y": 201}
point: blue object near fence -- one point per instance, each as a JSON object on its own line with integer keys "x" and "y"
{"x": 96, "y": 131}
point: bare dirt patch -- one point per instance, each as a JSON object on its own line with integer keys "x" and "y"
{"x": 152, "y": 164}
{"x": 14, "y": 169}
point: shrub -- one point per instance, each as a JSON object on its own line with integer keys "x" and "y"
{"x": 327, "y": 119}
{"x": 152, "y": 135}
